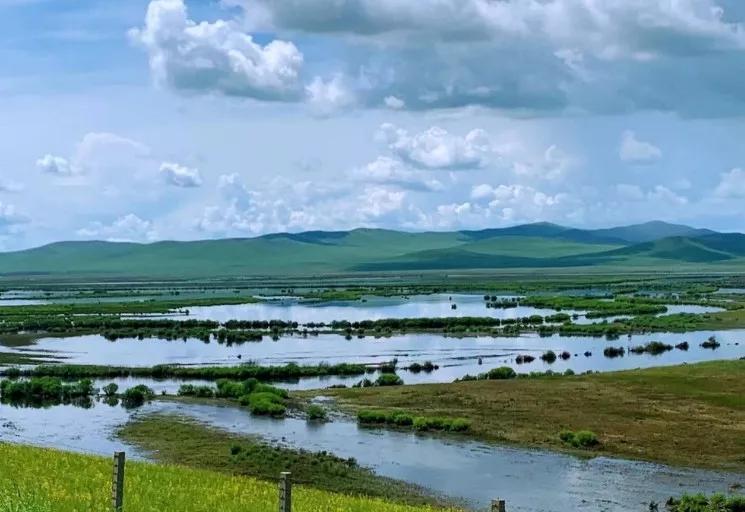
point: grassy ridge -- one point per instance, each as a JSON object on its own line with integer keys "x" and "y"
{"x": 314, "y": 253}
{"x": 685, "y": 415}
{"x": 43, "y": 480}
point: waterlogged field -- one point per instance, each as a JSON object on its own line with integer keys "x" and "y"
{"x": 44, "y": 480}
{"x": 455, "y": 357}
{"x": 453, "y": 466}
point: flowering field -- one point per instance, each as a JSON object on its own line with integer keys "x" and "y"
{"x": 42, "y": 480}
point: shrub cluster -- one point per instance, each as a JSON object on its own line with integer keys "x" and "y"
{"x": 406, "y": 420}
{"x": 579, "y": 439}
{"x": 44, "y": 389}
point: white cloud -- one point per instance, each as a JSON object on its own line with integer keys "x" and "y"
{"x": 95, "y": 151}
{"x": 394, "y": 103}
{"x": 217, "y": 57}
{"x": 551, "y": 165}
{"x": 386, "y": 170}
{"x": 637, "y": 151}
{"x": 376, "y": 202}
{"x": 331, "y": 96}
{"x": 659, "y": 194}
{"x": 586, "y": 55}
{"x": 664, "y": 195}
{"x": 436, "y": 148}
{"x": 56, "y": 165}
{"x": 128, "y": 228}
{"x": 731, "y": 184}
{"x": 180, "y": 176}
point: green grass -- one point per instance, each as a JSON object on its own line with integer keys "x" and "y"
{"x": 43, "y": 480}
{"x": 692, "y": 415}
{"x": 173, "y": 439}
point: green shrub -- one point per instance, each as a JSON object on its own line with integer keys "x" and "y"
{"x": 501, "y": 373}
{"x": 316, "y": 412}
{"x": 549, "y": 357}
{"x": 579, "y": 439}
{"x": 110, "y": 389}
{"x": 198, "y": 391}
{"x": 389, "y": 379}
{"x": 266, "y": 404}
{"x": 137, "y": 395}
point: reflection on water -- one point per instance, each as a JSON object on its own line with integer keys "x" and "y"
{"x": 373, "y": 308}
{"x": 376, "y": 308}
{"x": 530, "y": 480}
{"x": 455, "y": 356}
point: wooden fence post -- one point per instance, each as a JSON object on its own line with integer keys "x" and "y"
{"x": 497, "y": 506}
{"x": 117, "y": 482}
{"x": 285, "y": 492}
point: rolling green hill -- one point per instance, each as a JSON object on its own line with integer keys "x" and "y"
{"x": 540, "y": 245}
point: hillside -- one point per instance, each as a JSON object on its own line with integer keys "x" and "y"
{"x": 540, "y": 245}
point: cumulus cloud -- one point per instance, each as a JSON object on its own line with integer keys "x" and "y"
{"x": 180, "y": 176}
{"x": 436, "y": 148}
{"x": 386, "y": 170}
{"x": 56, "y": 165}
{"x": 605, "y": 27}
{"x": 95, "y": 151}
{"x": 330, "y": 96}
{"x": 282, "y": 205}
{"x": 636, "y": 151}
{"x": 217, "y": 57}
{"x": 609, "y": 56}
{"x": 128, "y": 228}
{"x": 731, "y": 185}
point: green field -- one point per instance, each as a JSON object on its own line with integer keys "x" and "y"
{"x": 648, "y": 246}
{"x": 43, "y": 480}
{"x": 690, "y": 415}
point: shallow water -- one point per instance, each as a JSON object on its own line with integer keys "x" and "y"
{"x": 455, "y": 356}
{"x": 374, "y": 308}
{"x": 530, "y": 480}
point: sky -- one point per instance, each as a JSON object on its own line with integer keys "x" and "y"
{"x": 144, "y": 120}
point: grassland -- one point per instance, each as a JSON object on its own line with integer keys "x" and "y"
{"x": 43, "y": 480}
{"x": 692, "y": 415}
{"x": 650, "y": 246}
{"x": 172, "y": 439}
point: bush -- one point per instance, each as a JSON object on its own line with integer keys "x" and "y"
{"x": 711, "y": 343}
{"x": 137, "y": 395}
{"x": 316, "y": 412}
{"x": 579, "y": 439}
{"x": 389, "y": 379}
{"x": 614, "y": 352}
{"x": 198, "y": 391}
{"x": 266, "y": 404}
{"x": 549, "y": 357}
{"x": 110, "y": 389}
{"x": 501, "y": 373}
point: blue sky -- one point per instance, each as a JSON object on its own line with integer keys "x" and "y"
{"x": 163, "y": 119}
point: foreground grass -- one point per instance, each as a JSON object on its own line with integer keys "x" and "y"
{"x": 692, "y": 415}
{"x": 43, "y": 480}
{"x": 174, "y": 439}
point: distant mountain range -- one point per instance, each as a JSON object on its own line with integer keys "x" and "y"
{"x": 653, "y": 245}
